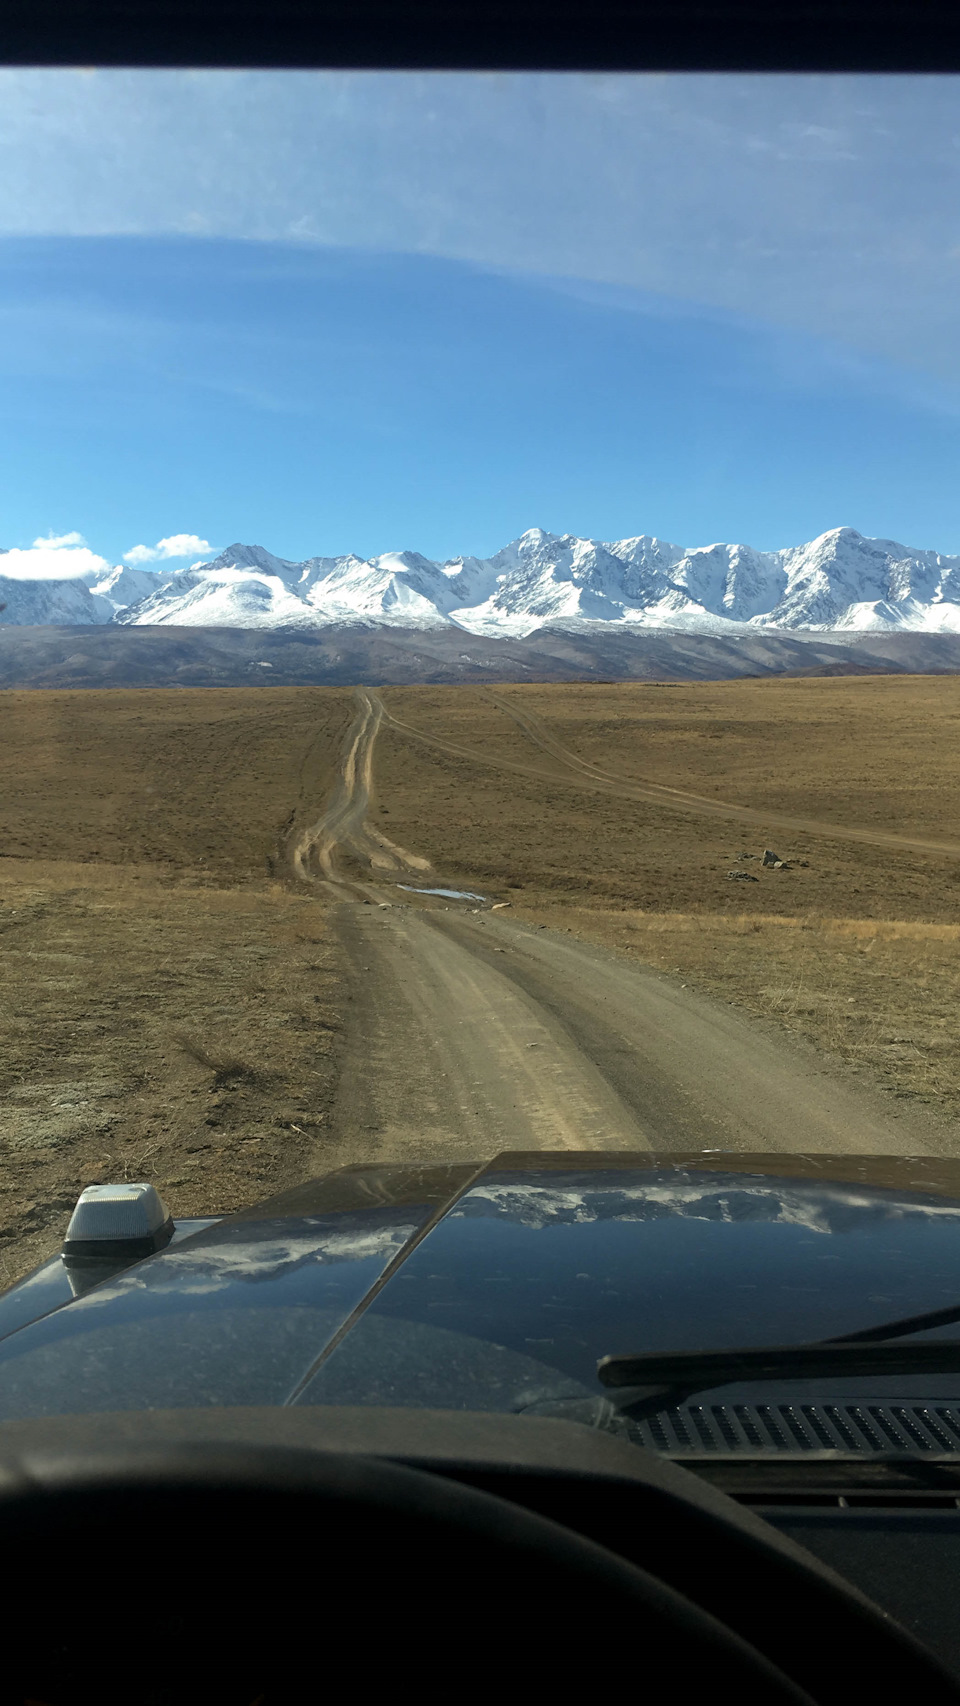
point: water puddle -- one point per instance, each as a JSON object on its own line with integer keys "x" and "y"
{"x": 447, "y": 894}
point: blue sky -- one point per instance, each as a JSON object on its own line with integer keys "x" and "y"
{"x": 361, "y": 312}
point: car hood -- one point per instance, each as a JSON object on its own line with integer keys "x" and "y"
{"x": 493, "y": 1287}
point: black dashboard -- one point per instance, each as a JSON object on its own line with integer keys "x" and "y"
{"x": 797, "y": 1561}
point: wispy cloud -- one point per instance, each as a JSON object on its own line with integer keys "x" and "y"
{"x": 822, "y": 203}
{"x": 177, "y": 545}
{"x": 58, "y": 541}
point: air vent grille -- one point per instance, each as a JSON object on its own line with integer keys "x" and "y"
{"x": 864, "y": 1428}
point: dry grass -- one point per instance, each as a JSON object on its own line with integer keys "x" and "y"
{"x": 227, "y": 1068}
{"x": 876, "y": 754}
{"x": 168, "y": 1010}
{"x": 171, "y": 1032}
{"x": 198, "y": 781}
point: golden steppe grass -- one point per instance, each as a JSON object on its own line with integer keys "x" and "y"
{"x": 149, "y": 1030}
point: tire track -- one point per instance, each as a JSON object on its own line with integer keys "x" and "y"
{"x": 344, "y": 822}
{"x": 578, "y": 772}
{"x": 445, "y": 1056}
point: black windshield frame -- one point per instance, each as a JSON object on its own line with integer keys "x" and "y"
{"x": 492, "y": 35}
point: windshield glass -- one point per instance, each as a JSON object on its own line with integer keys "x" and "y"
{"x": 479, "y": 650}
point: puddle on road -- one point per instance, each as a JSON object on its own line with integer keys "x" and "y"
{"x": 447, "y": 894}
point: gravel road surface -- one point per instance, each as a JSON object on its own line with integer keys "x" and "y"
{"x": 470, "y": 1033}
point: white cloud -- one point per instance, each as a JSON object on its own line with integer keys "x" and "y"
{"x": 67, "y": 556}
{"x": 178, "y": 545}
{"x": 56, "y": 541}
{"x": 63, "y": 556}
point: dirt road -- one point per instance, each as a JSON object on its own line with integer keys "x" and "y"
{"x": 469, "y": 1032}
{"x": 343, "y": 823}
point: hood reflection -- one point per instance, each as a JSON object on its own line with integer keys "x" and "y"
{"x": 823, "y": 1208}
{"x": 265, "y": 1252}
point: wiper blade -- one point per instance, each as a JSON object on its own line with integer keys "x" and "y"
{"x": 657, "y": 1381}
{"x": 897, "y": 1329}
{"x": 669, "y": 1379}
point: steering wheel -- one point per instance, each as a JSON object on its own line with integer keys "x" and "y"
{"x": 265, "y": 1574}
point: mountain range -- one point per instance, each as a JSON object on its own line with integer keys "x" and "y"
{"x": 840, "y": 583}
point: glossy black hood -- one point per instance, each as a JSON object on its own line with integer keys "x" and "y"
{"x": 490, "y": 1288}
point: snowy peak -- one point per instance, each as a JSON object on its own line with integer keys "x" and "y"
{"x": 839, "y": 581}
{"x": 843, "y": 580}
{"x": 122, "y": 586}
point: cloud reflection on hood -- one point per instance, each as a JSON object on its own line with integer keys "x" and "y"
{"x": 575, "y": 1200}
{"x": 267, "y": 1251}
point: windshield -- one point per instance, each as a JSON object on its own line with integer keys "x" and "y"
{"x": 479, "y": 651}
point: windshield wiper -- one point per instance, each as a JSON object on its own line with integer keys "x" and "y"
{"x": 656, "y": 1380}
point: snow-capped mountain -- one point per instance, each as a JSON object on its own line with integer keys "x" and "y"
{"x": 121, "y": 586}
{"x": 92, "y": 597}
{"x": 839, "y": 582}
{"x": 42, "y": 603}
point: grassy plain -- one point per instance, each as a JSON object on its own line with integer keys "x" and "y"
{"x": 169, "y": 996}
